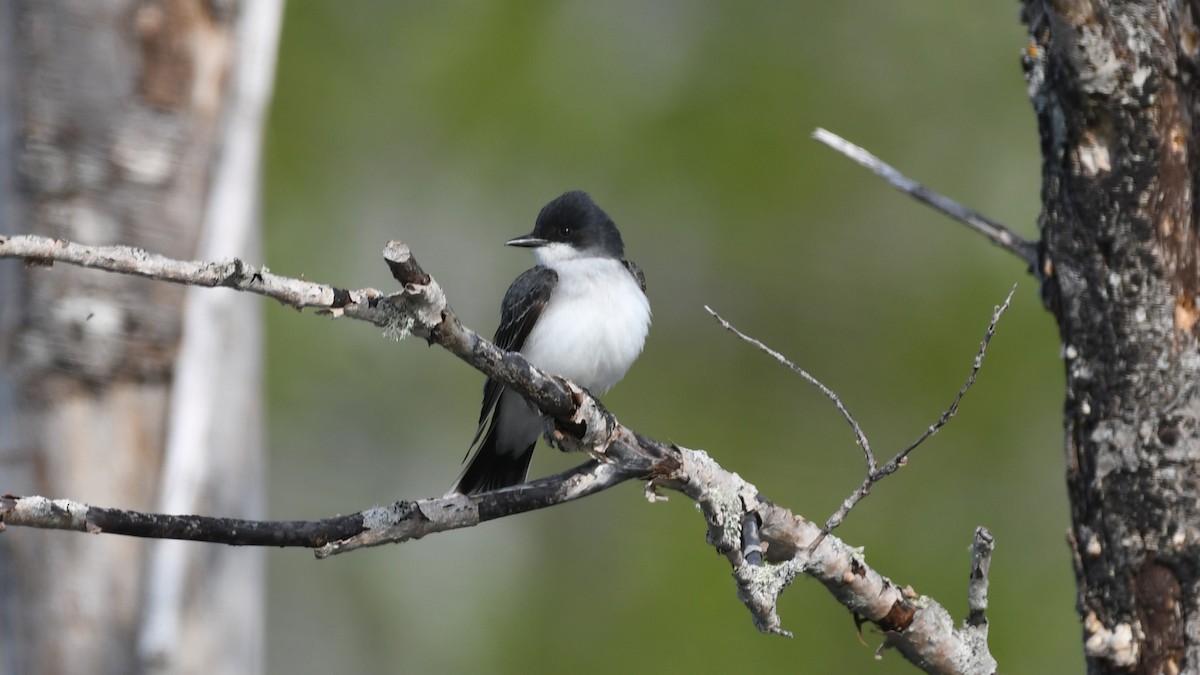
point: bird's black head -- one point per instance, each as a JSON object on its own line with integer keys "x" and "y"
{"x": 572, "y": 226}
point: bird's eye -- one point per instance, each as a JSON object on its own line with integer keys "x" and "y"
{"x": 564, "y": 230}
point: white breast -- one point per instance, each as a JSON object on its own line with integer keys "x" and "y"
{"x": 594, "y": 326}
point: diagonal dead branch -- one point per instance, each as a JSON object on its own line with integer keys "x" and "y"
{"x": 999, "y": 234}
{"x": 763, "y": 565}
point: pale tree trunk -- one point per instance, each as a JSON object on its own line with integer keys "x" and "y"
{"x": 136, "y": 123}
{"x": 1115, "y": 89}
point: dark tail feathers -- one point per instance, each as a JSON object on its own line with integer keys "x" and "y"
{"x": 491, "y": 470}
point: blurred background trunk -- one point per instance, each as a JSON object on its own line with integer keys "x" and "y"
{"x": 1115, "y": 89}
{"x": 132, "y": 123}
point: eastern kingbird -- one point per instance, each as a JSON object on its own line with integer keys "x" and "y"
{"x": 581, "y": 313}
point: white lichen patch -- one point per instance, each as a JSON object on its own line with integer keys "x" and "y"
{"x": 1119, "y": 451}
{"x": 399, "y": 327}
{"x": 759, "y": 588}
{"x": 724, "y": 503}
{"x": 1139, "y": 77}
{"x": 75, "y": 510}
{"x": 1092, "y": 155}
{"x": 1099, "y": 68}
{"x": 1115, "y": 645}
{"x": 42, "y": 510}
{"x": 1179, "y": 540}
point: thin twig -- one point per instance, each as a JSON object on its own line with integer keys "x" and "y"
{"x": 859, "y": 436}
{"x": 901, "y": 458}
{"x": 999, "y": 234}
{"x": 997, "y": 312}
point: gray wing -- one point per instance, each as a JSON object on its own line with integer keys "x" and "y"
{"x": 636, "y": 271}
{"x": 523, "y": 304}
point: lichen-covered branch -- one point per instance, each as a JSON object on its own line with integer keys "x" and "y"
{"x": 765, "y": 558}
{"x": 235, "y": 274}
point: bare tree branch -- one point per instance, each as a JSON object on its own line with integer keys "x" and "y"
{"x": 999, "y": 234}
{"x": 763, "y": 564}
{"x": 394, "y": 523}
{"x": 65, "y": 514}
{"x": 233, "y": 274}
{"x": 875, "y": 473}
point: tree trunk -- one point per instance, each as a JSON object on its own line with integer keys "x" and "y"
{"x": 136, "y": 123}
{"x": 1115, "y": 91}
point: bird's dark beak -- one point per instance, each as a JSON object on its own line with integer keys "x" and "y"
{"x": 527, "y": 241}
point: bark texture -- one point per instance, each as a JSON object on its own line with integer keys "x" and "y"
{"x": 1114, "y": 88}
{"x": 121, "y": 123}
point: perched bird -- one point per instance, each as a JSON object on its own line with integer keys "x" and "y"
{"x": 581, "y": 313}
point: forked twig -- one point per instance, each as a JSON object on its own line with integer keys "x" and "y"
{"x": 876, "y": 473}
{"x": 901, "y": 458}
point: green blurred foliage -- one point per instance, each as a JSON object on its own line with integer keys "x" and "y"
{"x": 448, "y": 125}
